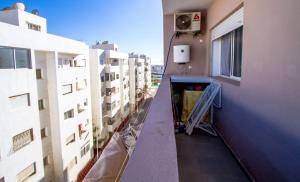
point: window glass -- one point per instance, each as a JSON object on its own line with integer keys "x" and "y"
{"x": 226, "y": 54}
{"x": 38, "y": 73}
{"x": 22, "y": 58}
{"x": 238, "y": 44}
{"x": 6, "y": 58}
{"x": 41, "y": 104}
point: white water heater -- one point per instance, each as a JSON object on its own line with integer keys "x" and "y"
{"x": 181, "y": 54}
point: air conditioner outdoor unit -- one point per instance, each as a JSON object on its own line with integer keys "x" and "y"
{"x": 187, "y": 22}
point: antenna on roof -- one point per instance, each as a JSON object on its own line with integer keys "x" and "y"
{"x": 35, "y": 12}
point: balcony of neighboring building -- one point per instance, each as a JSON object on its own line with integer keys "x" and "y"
{"x": 112, "y": 108}
{"x": 114, "y": 122}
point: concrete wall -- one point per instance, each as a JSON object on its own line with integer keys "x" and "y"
{"x": 259, "y": 118}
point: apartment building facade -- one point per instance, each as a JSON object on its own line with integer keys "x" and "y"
{"x": 156, "y": 74}
{"x": 114, "y": 77}
{"x": 48, "y": 81}
{"x": 148, "y": 80}
{"x": 137, "y": 80}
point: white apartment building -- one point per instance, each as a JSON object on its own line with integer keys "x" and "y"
{"x": 148, "y": 79}
{"x": 97, "y": 75}
{"x": 46, "y": 132}
{"x": 137, "y": 80}
{"x": 115, "y": 78}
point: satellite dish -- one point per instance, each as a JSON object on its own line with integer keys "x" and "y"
{"x": 183, "y": 22}
{"x": 35, "y": 12}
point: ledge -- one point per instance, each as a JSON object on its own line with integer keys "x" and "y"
{"x": 227, "y": 80}
{"x": 155, "y": 155}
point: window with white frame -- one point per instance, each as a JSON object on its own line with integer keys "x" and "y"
{"x": 14, "y": 58}
{"x": 227, "y": 46}
{"x": 26, "y": 173}
{"x": 20, "y": 101}
{"x": 67, "y": 89}
{"x": 70, "y": 139}
{"x": 69, "y": 114}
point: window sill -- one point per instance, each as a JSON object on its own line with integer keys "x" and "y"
{"x": 228, "y": 80}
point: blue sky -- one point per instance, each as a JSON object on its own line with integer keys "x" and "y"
{"x": 135, "y": 25}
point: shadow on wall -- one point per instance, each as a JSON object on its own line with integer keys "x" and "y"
{"x": 268, "y": 153}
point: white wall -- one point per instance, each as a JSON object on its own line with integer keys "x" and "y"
{"x": 23, "y": 80}
{"x": 21, "y": 18}
{"x": 16, "y": 120}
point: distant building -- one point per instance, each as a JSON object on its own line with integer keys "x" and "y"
{"x": 46, "y": 128}
{"x": 111, "y": 68}
{"x": 137, "y": 80}
{"x": 156, "y": 74}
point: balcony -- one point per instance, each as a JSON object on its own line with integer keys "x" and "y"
{"x": 182, "y": 158}
{"x": 80, "y": 85}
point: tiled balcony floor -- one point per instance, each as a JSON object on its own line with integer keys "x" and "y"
{"x": 202, "y": 157}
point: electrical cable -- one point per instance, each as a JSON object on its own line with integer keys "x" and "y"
{"x": 167, "y": 60}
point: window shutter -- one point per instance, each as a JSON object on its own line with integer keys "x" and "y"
{"x": 233, "y": 22}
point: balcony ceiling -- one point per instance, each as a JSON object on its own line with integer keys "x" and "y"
{"x": 172, "y": 6}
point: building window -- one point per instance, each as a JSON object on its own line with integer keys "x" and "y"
{"x": 112, "y": 76}
{"x": 26, "y": 173}
{"x": 65, "y": 62}
{"x": 106, "y": 76}
{"x": 85, "y": 103}
{"x": 85, "y": 149}
{"x": 6, "y": 58}
{"x": 72, "y": 163}
{"x": 41, "y": 104}
{"x": 69, "y": 114}
{"x": 82, "y": 106}
{"x": 67, "y": 89}
{"x": 44, "y": 133}
{"x": 32, "y": 26}
{"x": 80, "y": 63}
{"x": 22, "y": 139}
{"x": 102, "y": 79}
{"x": 114, "y": 62}
{"x": 110, "y": 91}
{"x": 227, "y": 47}
{"x": 20, "y": 101}
{"x": 110, "y": 106}
{"x": 22, "y": 57}
{"x": 81, "y": 84}
{"x": 14, "y": 58}
{"x": 117, "y": 76}
{"x": 46, "y": 160}
{"x": 70, "y": 139}
{"x": 38, "y": 73}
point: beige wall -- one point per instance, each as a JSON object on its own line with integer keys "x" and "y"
{"x": 198, "y": 61}
{"x": 259, "y": 119}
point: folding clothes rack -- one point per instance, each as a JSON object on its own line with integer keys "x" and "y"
{"x": 210, "y": 98}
